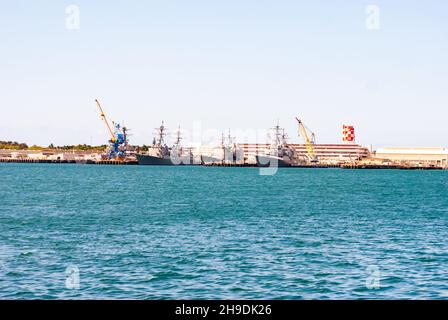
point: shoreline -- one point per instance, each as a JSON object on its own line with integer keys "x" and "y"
{"x": 228, "y": 165}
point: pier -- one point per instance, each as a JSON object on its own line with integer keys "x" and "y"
{"x": 391, "y": 166}
{"x": 240, "y": 165}
{"x": 95, "y": 162}
{"x": 11, "y": 160}
{"x": 116, "y": 162}
{"x": 357, "y": 166}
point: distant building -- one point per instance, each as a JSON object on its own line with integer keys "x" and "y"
{"x": 420, "y": 156}
{"x": 329, "y": 153}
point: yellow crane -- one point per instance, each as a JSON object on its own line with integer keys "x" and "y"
{"x": 103, "y": 117}
{"x": 309, "y": 139}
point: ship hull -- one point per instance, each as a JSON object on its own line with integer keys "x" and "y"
{"x": 84, "y": 161}
{"x": 147, "y": 160}
{"x": 210, "y": 160}
{"x": 272, "y": 161}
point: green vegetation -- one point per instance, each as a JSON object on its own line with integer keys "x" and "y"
{"x": 12, "y": 145}
{"x": 34, "y": 147}
{"x": 79, "y": 147}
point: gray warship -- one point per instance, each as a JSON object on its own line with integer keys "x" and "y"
{"x": 229, "y": 152}
{"x": 278, "y": 153}
{"x": 159, "y": 154}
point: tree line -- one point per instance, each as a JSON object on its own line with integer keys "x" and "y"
{"x": 13, "y": 145}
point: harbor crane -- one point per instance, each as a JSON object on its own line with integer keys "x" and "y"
{"x": 118, "y": 142}
{"x": 104, "y": 118}
{"x": 309, "y": 139}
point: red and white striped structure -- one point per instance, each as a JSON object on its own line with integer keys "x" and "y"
{"x": 348, "y": 133}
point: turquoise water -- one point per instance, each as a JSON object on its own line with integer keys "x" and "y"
{"x": 221, "y": 233}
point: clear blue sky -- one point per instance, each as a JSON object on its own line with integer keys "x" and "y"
{"x": 228, "y": 64}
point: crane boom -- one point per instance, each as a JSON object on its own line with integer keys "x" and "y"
{"x": 103, "y": 117}
{"x": 309, "y": 142}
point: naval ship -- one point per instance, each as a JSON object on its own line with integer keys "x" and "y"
{"x": 159, "y": 154}
{"x": 279, "y": 153}
{"x": 229, "y": 152}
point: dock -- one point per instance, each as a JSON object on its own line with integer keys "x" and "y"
{"x": 116, "y": 162}
{"x": 391, "y": 166}
{"x": 239, "y": 165}
{"x": 11, "y": 160}
{"x": 357, "y": 166}
{"x": 93, "y": 162}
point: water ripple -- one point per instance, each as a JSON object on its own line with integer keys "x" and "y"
{"x": 221, "y": 233}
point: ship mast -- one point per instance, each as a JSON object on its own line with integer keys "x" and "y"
{"x": 178, "y": 137}
{"x": 161, "y": 132}
{"x": 276, "y": 142}
{"x": 284, "y": 137}
{"x": 223, "y": 140}
{"x": 229, "y": 138}
{"x": 232, "y": 146}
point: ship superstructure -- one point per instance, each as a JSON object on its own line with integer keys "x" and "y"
{"x": 160, "y": 154}
{"x": 278, "y": 153}
{"x": 228, "y": 152}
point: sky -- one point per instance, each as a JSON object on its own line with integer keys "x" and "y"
{"x": 219, "y": 65}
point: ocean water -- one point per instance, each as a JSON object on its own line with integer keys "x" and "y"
{"x": 132, "y": 232}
